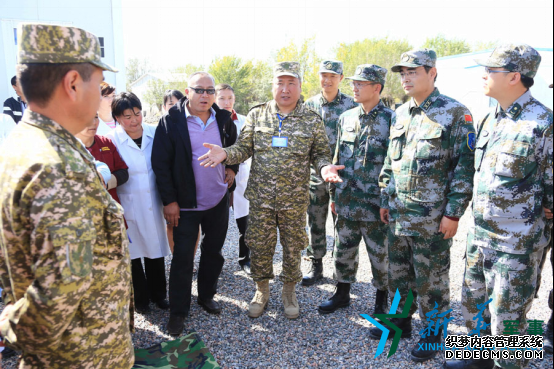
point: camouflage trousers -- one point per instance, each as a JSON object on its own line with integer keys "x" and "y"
{"x": 509, "y": 279}
{"x": 421, "y": 264}
{"x": 349, "y": 234}
{"x": 261, "y": 239}
{"x": 318, "y": 211}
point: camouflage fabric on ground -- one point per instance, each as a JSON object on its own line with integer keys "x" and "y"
{"x": 186, "y": 352}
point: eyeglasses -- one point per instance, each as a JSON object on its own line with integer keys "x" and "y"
{"x": 411, "y": 74}
{"x": 201, "y": 91}
{"x": 360, "y": 85}
{"x": 490, "y": 71}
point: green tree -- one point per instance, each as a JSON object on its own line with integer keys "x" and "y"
{"x": 446, "y": 47}
{"x": 136, "y": 68}
{"x": 237, "y": 73}
{"x": 485, "y": 45}
{"x": 309, "y": 61}
{"x": 380, "y": 51}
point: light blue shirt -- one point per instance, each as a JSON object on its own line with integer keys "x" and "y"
{"x": 197, "y": 120}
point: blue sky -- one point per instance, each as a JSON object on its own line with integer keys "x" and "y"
{"x": 177, "y": 32}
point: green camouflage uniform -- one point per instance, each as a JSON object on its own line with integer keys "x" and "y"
{"x": 64, "y": 261}
{"x": 319, "y": 190}
{"x": 279, "y": 178}
{"x": 513, "y": 182}
{"x": 361, "y": 148}
{"x": 428, "y": 174}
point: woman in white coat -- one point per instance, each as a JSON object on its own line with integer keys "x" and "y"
{"x": 142, "y": 203}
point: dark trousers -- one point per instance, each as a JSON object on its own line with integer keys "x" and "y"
{"x": 214, "y": 223}
{"x": 244, "y": 251}
{"x": 148, "y": 282}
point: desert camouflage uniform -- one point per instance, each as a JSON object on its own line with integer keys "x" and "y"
{"x": 513, "y": 182}
{"x": 278, "y": 183}
{"x": 64, "y": 257}
{"x": 428, "y": 174}
{"x": 362, "y": 148}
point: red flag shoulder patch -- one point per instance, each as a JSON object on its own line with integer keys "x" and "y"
{"x": 469, "y": 118}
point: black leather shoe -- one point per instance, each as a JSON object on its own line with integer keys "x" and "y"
{"x": 162, "y": 304}
{"x": 427, "y": 348}
{"x": 211, "y": 306}
{"x": 176, "y": 325}
{"x": 405, "y": 324}
{"x": 315, "y": 274}
{"x": 246, "y": 267}
{"x": 142, "y": 308}
{"x": 381, "y": 302}
{"x": 340, "y": 299}
{"x": 469, "y": 364}
{"x": 547, "y": 341}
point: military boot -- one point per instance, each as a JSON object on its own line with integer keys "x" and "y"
{"x": 260, "y": 300}
{"x": 405, "y": 324}
{"x": 340, "y": 299}
{"x": 292, "y": 310}
{"x": 381, "y": 302}
{"x": 547, "y": 342}
{"x": 469, "y": 364}
{"x": 315, "y": 274}
{"x": 427, "y": 347}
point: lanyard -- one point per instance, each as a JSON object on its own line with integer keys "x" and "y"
{"x": 280, "y": 123}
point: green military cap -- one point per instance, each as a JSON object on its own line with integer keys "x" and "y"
{"x": 287, "y": 69}
{"x": 47, "y": 43}
{"x": 416, "y": 58}
{"x": 515, "y": 58}
{"x": 331, "y": 66}
{"x": 371, "y": 73}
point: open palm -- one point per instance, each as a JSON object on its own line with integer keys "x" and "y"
{"x": 214, "y": 157}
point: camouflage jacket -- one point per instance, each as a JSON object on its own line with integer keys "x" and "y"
{"x": 428, "y": 172}
{"x": 330, "y": 113}
{"x": 513, "y": 177}
{"x": 279, "y": 176}
{"x": 64, "y": 257}
{"x": 361, "y": 148}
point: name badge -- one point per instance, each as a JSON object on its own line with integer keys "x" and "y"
{"x": 280, "y": 141}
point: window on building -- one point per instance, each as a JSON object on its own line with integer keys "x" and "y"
{"x": 101, "y": 39}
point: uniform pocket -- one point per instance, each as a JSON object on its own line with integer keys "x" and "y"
{"x": 300, "y": 144}
{"x": 513, "y": 159}
{"x": 73, "y": 246}
{"x": 429, "y": 143}
{"x": 397, "y": 141}
{"x": 347, "y": 142}
{"x": 263, "y": 138}
{"x": 480, "y": 150}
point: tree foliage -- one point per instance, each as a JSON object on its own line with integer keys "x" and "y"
{"x": 135, "y": 69}
{"x": 446, "y": 47}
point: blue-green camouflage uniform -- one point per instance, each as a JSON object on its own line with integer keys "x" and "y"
{"x": 428, "y": 174}
{"x": 361, "y": 147}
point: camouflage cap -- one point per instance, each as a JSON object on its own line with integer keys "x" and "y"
{"x": 371, "y": 73}
{"x": 331, "y": 66}
{"x": 416, "y": 58}
{"x": 287, "y": 69}
{"x": 515, "y": 58}
{"x": 47, "y": 43}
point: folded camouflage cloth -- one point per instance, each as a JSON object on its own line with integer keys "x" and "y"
{"x": 185, "y": 352}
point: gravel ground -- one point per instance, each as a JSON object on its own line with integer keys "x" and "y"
{"x": 338, "y": 340}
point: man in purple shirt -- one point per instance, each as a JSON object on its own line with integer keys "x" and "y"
{"x": 193, "y": 196}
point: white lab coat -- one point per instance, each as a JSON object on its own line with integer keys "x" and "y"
{"x": 139, "y": 196}
{"x": 103, "y": 128}
{"x": 241, "y": 205}
{"x": 7, "y": 124}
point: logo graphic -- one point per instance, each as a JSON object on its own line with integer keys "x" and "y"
{"x": 471, "y": 141}
{"x": 385, "y": 319}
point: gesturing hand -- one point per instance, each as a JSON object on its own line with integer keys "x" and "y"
{"x": 330, "y": 173}
{"x": 213, "y": 157}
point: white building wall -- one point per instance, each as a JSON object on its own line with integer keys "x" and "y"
{"x": 101, "y": 17}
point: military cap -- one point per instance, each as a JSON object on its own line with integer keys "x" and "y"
{"x": 47, "y": 43}
{"x": 287, "y": 69}
{"x": 331, "y": 66}
{"x": 416, "y": 58}
{"x": 515, "y": 58}
{"x": 371, "y": 73}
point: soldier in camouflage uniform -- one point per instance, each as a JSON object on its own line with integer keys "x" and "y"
{"x": 64, "y": 258}
{"x": 426, "y": 182}
{"x": 512, "y": 192}
{"x": 283, "y": 138}
{"x": 361, "y": 147}
{"x": 329, "y": 104}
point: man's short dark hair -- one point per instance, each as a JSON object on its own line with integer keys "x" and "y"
{"x": 39, "y": 81}
{"x": 528, "y": 82}
{"x": 224, "y": 86}
{"x": 428, "y": 69}
{"x": 175, "y": 93}
{"x": 14, "y": 81}
{"x": 124, "y": 101}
